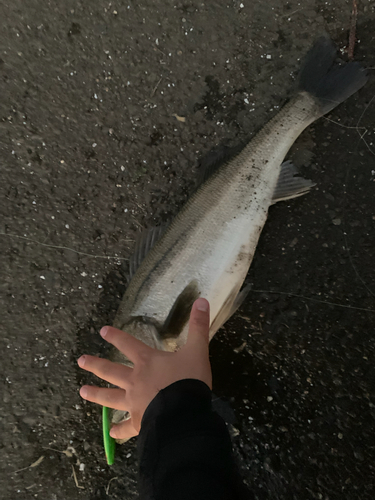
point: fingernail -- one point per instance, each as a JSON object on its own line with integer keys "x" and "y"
{"x": 81, "y": 361}
{"x": 202, "y": 305}
{"x": 104, "y": 331}
{"x": 113, "y": 433}
{"x": 83, "y": 392}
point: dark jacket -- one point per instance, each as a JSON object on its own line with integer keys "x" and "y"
{"x": 184, "y": 448}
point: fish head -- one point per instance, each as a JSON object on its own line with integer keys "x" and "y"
{"x": 142, "y": 328}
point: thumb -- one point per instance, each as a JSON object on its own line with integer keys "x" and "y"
{"x": 199, "y": 323}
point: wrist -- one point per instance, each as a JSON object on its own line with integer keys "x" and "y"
{"x": 188, "y": 396}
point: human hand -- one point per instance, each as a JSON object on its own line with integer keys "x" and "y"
{"x": 153, "y": 370}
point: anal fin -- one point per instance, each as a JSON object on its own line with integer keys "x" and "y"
{"x": 289, "y": 184}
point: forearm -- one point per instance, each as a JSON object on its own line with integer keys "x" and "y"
{"x": 184, "y": 448}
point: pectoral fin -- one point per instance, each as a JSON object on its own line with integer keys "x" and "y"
{"x": 180, "y": 312}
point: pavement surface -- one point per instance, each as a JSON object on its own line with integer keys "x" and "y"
{"x": 106, "y": 109}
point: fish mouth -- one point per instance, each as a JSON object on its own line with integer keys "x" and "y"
{"x": 117, "y": 417}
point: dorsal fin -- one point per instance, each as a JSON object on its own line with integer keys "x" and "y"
{"x": 144, "y": 242}
{"x": 289, "y": 185}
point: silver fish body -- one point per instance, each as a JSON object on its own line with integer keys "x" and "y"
{"x": 213, "y": 239}
{"x": 208, "y": 248}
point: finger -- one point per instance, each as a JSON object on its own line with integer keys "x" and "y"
{"x": 123, "y": 430}
{"x": 113, "y": 398}
{"x": 199, "y": 323}
{"x": 113, "y": 373}
{"x": 125, "y": 343}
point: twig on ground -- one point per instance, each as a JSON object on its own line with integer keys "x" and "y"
{"x": 34, "y": 464}
{"x": 155, "y": 88}
{"x": 76, "y": 480}
{"x": 109, "y": 482}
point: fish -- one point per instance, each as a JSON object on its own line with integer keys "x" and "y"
{"x": 208, "y": 248}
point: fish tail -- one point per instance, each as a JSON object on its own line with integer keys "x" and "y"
{"x": 329, "y": 81}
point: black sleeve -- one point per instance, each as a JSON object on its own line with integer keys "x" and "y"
{"x": 184, "y": 448}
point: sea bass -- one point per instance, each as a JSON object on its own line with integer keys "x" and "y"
{"x": 208, "y": 248}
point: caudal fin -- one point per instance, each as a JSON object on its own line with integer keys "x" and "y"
{"x": 331, "y": 82}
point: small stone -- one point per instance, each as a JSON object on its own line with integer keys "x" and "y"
{"x": 29, "y": 420}
{"x": 233, "y": 431}
{"x": 336, "y": 221}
